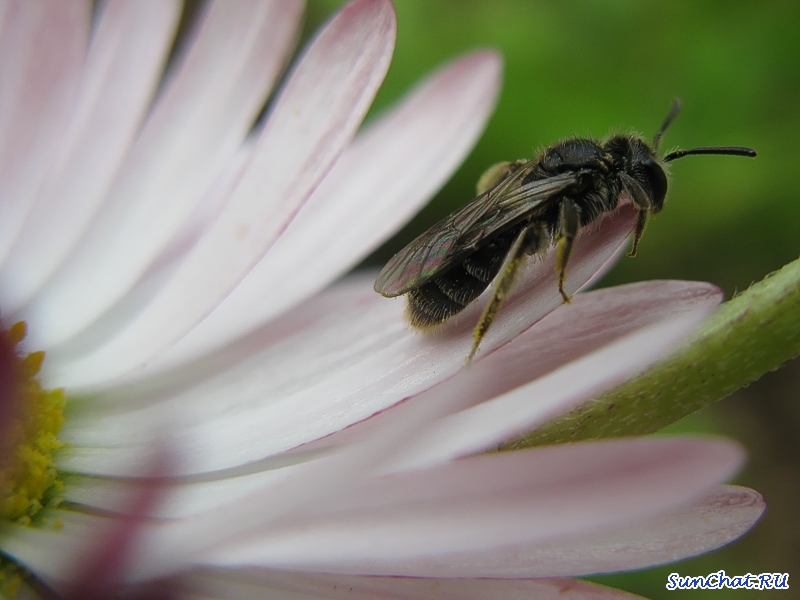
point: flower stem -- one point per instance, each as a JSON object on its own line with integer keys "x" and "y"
{"x": 753, "y": 333}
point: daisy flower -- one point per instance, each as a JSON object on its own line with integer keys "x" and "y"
{"x": 239, "y": 423}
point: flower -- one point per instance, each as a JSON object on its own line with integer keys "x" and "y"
{"x": 259, "y": 426}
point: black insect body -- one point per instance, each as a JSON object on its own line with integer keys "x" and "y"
{"x": 522, "y": 208}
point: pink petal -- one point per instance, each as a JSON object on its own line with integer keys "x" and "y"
{"x": 535, "y": 296}
{"x": 47, "y": 553}
{"x": 43, "y": 45}
{"x": 476, "y": 505}
{"x": 196, "y": 127}
{"x": 575, "y": 332}
{"x": 717, "y": 518}
{"x": 257, "y": 584}
{"x": 488, "y": 502}
{"x": 470, "y": 505}
{"x": 184, "y": 499}
{"x": 332, "y": 476}
{"x": 382, "y": 179}
{"x": 314, "y": 118}
{"x": 123, "y": 67}
{"x": 569, "y": 358}
{"x": 336, "y": 360}
{"x": 324, "y": 370}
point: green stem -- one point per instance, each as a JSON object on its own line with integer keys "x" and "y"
{"x": 753, "y": 333}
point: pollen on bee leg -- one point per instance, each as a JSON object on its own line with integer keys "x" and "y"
{"x": 568, "y": 225}
{"x": 495, "y": 174}
{"x": 641, "y": 223}
{"x": 527, "y": 238}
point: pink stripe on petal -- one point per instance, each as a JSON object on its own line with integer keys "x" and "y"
{"x": 185, "y": 499}
{"x": 43, "y": 45}
{"x": 332, "y": 476}
{"x": 88, "y": 555}
{"x": 49, "y": 552}
{"x": 383, "y": 178}
{"x": 261, "y": 583}
{"x": 11, "y": 397}
{"x": 123, "y": 67}
{"x": 196, "y": 126}
{"x": 99, "y": 568}
{"x": 313, "y": 119}
{"x": 489, "y": 502}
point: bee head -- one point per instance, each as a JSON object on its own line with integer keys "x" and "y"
{"x": 656, "y": 180}
{"x": 646, "y": 169}
{"x": 640, "y": 170}
{"x": 639, "y": 166}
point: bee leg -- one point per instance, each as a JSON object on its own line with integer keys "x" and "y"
{"x": 568, "y": 224}
{"x": 527, "y": 242}
{"x": 641, "y": 221}
{"x": 642, "y": 202}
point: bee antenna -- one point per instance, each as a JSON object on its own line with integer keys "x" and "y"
{"x": 729, "y": 150}
{"x": 673, "y": 112}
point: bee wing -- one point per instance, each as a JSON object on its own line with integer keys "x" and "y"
{"x": 460, "y": 233}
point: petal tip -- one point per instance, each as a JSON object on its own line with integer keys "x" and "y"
{"x": 380, "y": 12}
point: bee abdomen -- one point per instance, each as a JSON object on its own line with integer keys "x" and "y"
{"x": 485, "y": 262}
{"x": 443, "y": 297}
{"x": 450, "y": 293}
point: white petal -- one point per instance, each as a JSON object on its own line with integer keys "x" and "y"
{"x": 487, "y": 502}
{"x": 716, "y": 519}
{"x": 197, "y": 125}
{"x": 577, "y": 367}
{"x": 123, "y": 67}
{"x": 50, "y": 552}
{"x": 570, "y": 333}
{"x": 338, "y": 359}
{"x": 315, "y": 359}
{"x": 472, "y": 505}
{"x": 313, "y": 119}
{"x": 43, "y": 45}
{"x": 256, "y": 584}
{"x": 165, "y": 548}
{"x": 383, "y": 178}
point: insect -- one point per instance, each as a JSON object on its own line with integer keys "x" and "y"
{"x": 522, "y": 208}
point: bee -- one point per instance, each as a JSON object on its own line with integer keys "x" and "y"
{"x": 521, "y": 209}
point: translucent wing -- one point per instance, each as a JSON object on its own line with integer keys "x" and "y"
{"x": 459, "y": 234}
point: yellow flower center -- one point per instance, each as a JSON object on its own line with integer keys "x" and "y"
{"x": 29, "y": 480}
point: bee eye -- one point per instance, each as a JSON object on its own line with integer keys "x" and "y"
{"x": 658, "y": 183}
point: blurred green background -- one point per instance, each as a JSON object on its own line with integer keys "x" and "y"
{"x": 592, "y": 67}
